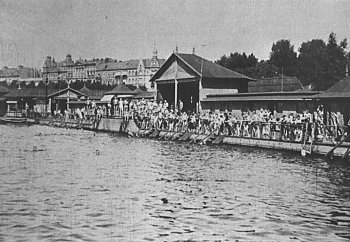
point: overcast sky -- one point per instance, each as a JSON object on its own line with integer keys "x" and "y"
{"x": 33, "y": 29}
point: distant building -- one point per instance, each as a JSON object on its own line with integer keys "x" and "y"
{"x": 106, "y": 71}
{"x": 68, "y": 69}
{"x": 20, "y": 74}
{"x": 275, "y": 84}
{"x": 131, "y": 72}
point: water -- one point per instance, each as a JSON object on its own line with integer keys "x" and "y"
{"x": 150, "y": 190}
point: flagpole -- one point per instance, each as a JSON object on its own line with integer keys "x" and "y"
{"x": 282, "y": 79}
{"x": 175, "y": 82}
{"x": 200, "y": 88}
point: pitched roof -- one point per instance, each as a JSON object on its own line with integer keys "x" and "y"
{"x": 339, "y": 90}
{"x": 84, "y": 90}
{"x": 201, "y": 67}
{"x": 146, "y": 95}
{"x": 342, "y": 86}
{"x": 149, "y": 62}
{"x": 275, "y": 84}
{"x": 92, "y": 94}
{"x": 30, "y": 93}
{"x": 209, "y": 69}
{"x": 65, "y": 90}
{"x": 121, "y": 89}
{"x": 137, "y": 90}
{"x": 121, "y": 65}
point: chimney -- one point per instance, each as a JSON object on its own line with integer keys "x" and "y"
{"x": 194, "y": 50}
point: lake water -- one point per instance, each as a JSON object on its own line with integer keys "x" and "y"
{"x": 136, "y": 189}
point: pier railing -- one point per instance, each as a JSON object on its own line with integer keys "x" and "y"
{"x": 298, "y": 133}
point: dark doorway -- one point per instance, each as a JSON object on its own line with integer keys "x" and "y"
{"x": 187, "y": 92}
{"x": 167, "y": 92}
{"x": 59, "y": 104}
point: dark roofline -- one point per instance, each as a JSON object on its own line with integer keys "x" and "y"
{"x": 293, "y": 93}
{"x": 240, "y": 76}
{"x": 333, "y": 95}
{"x": 178, "y": 55}
{"x": 66, "y": 89}
{"x": 258, "y": 98}
{"x": 192, "y": 68}
{"x": 29, "y": 93}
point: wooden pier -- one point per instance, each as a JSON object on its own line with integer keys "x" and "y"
{"x": 307, "y": 145}
{"x": 342, "y": 150}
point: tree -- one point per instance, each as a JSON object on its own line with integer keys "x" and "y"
{"x": 284, "y": 57}
{"x": 41, "y": 85}
{"x": 263, "y": 69}
{"x": 31, "y": 85}
{"x": 237, "y": 62}
{"x": 322, "y": 64}
{"x": 23, "y": 84}
{"x": 143, "y": 88}
{"x": 336, "y": 60}
{"x": 96, "y": 86}
{"x": 77, "y": 85}
{"x": 312, "y": 63}
{"x": 14, "y": 84}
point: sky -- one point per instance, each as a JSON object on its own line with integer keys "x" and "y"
{"x": 30, "y": 30}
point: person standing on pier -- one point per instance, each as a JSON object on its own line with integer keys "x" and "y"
{"x": 181, "y": 105}
{"x": 109, "y": 107}
{"x": 112, "y": 106}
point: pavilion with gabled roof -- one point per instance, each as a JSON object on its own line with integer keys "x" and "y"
{"x": 60, "y": 100}
{"x": 190, "y": 78}
{"x": 120, "y": 91}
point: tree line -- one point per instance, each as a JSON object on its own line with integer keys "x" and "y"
{"x": 317, "y": 62}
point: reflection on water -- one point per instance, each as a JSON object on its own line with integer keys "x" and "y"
{"x": 141, "y": 189}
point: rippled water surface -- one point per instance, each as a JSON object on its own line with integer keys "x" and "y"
{"x": 150, "y": 190}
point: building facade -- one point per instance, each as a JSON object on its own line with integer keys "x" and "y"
{"x": 106, "y": 71}
{"x": 70, "y": 70}
{"x": 131, "y": 72}
{"x": 20, "y": 74}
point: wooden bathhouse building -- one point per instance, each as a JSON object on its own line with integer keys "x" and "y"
{"x": 203, "y": 85}
{"x": 191, "y": 78}
{"x": 280, "y": 94}
{"x": 337, "y": 98}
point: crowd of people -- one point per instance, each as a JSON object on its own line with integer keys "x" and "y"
{"x": 257, "y": 124}
{"x": 262, "y": 123}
